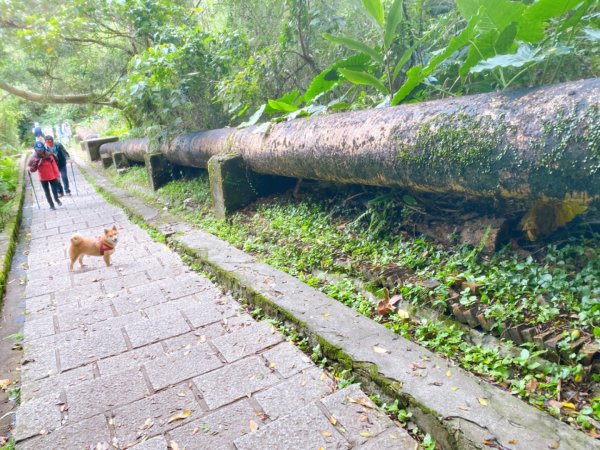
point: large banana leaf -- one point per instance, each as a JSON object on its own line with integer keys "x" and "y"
{"x": 364, "y": 78}
{"x": 394, "y": 18}
{"x": 375, "y": 9}
{"x": 535, "y": 17}
{"x": 417, "y": 74}
{"x": 327, "y": 79}
{"x": 358, "y": 46}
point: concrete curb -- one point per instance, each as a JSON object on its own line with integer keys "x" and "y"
{"x": 8, "y": 236}
{"x": 459, "y": 410}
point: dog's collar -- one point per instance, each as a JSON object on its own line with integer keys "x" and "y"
{"x": 103, "y": 246}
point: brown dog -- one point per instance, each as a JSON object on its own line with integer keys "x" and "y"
{"x": 104, "y": 246}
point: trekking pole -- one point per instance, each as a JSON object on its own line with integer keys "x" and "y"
{"x": 33, "y": 189}
{"x": 74, "y": 181}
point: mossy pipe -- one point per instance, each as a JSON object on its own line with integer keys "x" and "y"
{"x": 520, "y": 145}
{"x": 134, "y": 149}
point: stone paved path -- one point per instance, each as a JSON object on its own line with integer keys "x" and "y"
{"x": 149, "y": 355}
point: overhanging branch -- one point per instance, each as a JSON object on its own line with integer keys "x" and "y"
{"x": 77, "y": 99}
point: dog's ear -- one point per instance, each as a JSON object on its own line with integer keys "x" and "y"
{"x": 106, "y": 231}
{"x": 114, "y": 227}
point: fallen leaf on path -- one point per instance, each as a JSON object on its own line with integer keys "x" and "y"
{"x": 569, "y": 405}
{"x": 403, "y": 314}
{"x": 555, "y": 404}
{"x": 181, "y": 394}
{"x": 361, "y": 401}
{"x": 272, "y": 365}
{"x": 180, "y": 416}
{"x": 513, "y": 441}
{"x": 365, "y": 434}
{"x": 323, "y": 376}
{"x": 464, "y": 407}
{"x": 554, "y": 445}
{"x": 416, "y": 366}
{"x": 5, "y": 383}
{"x": 483, "y": 401}
{"x": 147, "y": 424}
{"x": 332, "y": 420}
{"x": 455, "y": 388}
{"x": 173, "y": 445}
{"x": 253, "y": 426}
{"x": 379, "y": 350}
{"x": 326, "y": 315}
{"x": 325, "y": 433}
{"x": 387, "y": 304}
{"x": 532, "y": 385}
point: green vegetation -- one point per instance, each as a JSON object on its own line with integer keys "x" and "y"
{"x": 11, "y": 197}
{"x": 351, "y": 253}
{"x": 9, "y": 144}
{"x": 10, "y": 445}
{"x": 157, "y": 67}
{"x": 8, "y": 184}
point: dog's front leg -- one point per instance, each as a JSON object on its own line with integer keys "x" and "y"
{"x": 107, "y": 259}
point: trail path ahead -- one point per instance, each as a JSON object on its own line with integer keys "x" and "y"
{"x": 147, "y": 354}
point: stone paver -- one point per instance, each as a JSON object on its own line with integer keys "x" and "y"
{"x": 218, "y": 430}
{"x": 154, "y": 415}
{"x": 148, "y": 355}
{"x": 92, "y": 433}
{"x": 181, "y": 365}
{"x": 308, "y": 428}
{"x": 295, "y": 393}
{"x": 351, "y": 403}
{"x": 247, "y": 340}
{"x": 235, "y": 381}
{"x": 156, "y": 443}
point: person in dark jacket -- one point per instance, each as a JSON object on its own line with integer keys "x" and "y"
{"x": 62, "y": 156}
{"x": 44, "y": 163}
{"x": 37, "y": 132}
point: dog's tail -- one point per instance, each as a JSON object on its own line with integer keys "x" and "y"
{"x": 76, "y": 239}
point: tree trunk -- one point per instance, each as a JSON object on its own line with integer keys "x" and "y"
{"x": 517, "y": 146}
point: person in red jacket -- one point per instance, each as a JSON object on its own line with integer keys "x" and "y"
{"x": 44, "y": 163}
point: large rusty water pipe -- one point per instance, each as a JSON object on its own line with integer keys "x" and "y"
{"x": 518, "y": 145}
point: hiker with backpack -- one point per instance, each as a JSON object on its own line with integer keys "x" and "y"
{"x": 62, "y": 156}
{"x": 44, "y": 163}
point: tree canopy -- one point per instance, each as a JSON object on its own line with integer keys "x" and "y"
{"x": 188, "y": 65}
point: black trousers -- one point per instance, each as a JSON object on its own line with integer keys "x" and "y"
{"x": 55, "y": 185}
